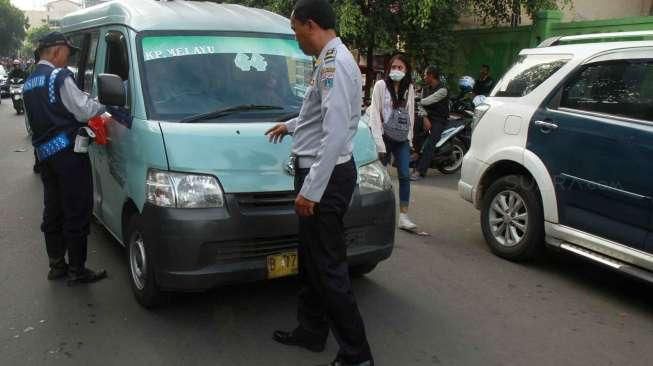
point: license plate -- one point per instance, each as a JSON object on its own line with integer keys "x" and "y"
{"x": 282, "y": 265}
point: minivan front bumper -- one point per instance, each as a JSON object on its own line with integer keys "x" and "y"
{"x": 198, "y": 249}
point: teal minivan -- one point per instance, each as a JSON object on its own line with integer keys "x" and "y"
{"x": 188, "y": 182}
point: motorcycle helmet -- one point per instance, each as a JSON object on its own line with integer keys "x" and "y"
{"x": 466, "y": 84}
{"x": 16, "y": 62}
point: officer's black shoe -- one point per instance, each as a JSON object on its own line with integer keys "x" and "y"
{"x": 299, "y": 338}
{"x": 85, "y": 276}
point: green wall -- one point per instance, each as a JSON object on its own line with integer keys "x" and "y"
{"x": 498, "y": 47}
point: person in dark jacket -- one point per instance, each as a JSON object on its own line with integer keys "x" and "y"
{"x": 484, "y": 83}
{"x": 434, "y": 108}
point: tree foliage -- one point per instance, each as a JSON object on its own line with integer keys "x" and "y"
{"x": 34, "y": 34}
{"x": 13, "y": 25}
{"x": 421, "y": 28}
{"x": 496, "y": 12}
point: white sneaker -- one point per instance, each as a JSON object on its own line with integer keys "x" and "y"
{"x": 405, "y": 223}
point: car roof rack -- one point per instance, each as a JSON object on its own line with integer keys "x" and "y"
{"x": 556, "y": 41}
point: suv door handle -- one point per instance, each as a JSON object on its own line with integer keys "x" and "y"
{"x": 546, "y": 126}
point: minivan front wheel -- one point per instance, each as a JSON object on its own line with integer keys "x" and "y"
{"x": 141, "y": 269}
{"x": 512, "y": 218}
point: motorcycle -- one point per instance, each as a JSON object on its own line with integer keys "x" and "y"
{"x": 16, "y": 94}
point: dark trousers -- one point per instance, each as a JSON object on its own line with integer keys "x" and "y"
{"x": 326, "y": 299}
{"x": 68, "y": 206}
{"x": 428, "y": 149}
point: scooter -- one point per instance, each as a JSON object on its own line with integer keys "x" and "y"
{"x": 16, "y": 93}
{"x": 450, "y": 149}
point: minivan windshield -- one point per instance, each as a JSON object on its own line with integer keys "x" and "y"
{"x": 188, "y": 75}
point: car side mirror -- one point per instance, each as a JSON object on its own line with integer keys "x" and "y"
{"x": 111, "y": 90}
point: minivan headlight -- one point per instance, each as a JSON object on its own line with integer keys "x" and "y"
{"x": 374, "y": 177}
{"x": 180, "y": 190}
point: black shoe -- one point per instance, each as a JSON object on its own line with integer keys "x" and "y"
{"x": 293, "y": 339}
{"x": 56, "y": 273}
{"x": 86, "y": 276}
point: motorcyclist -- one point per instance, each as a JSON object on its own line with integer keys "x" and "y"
{"x": 17, "y": 72}
{"x": 464, "y": 101}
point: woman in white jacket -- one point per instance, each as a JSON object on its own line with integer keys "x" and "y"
{"x": 392, "y": 117}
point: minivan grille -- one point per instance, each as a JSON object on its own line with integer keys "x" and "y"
{"x": 266, "y": 200}
{"x": 234, "y": 251}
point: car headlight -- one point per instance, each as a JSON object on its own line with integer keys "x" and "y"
{"x": 168, "y": 189}
{"x": 479, "y": 112}
{"x": 374, "y": 177}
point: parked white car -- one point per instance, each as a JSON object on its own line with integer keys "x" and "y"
{"x": 561, "y": 153}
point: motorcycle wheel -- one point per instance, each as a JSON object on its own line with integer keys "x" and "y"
{"x": 454, "y": 163}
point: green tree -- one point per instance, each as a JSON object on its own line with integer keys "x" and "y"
{"x": 34, "y": 34}
{"x": 496, "y": 12}
{"x": 12, "y": 28}
{"x": 421, "y": 28}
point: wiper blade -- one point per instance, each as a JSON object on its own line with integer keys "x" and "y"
{"x": 287, "y": 117}
{"x": 227, "y": 111}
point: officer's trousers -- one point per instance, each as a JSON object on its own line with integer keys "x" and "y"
{"x": 68, "y": 206}
{"x": 326, "y": 299}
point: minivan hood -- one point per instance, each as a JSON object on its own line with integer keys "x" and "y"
{"x": 240, "y": 155}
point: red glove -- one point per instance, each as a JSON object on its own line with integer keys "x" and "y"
{"x": 98, "y": 125}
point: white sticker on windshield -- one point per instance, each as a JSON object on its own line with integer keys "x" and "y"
{"x": 246, "y": 63}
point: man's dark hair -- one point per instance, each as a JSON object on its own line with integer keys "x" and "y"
{"x": 486, "y": 67}
{"x": 319, "y": 11}
{"x": 433, "y": 71}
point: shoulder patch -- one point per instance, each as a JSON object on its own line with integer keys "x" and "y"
{"x": 326, "y": 76}
{"x": 330, "y": 56}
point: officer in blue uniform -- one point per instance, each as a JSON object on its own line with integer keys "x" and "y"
{"x": 324, "y": 181}
{"x": 56, "y": 110}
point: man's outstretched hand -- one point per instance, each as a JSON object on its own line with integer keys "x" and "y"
{"x": 277, "y": 133}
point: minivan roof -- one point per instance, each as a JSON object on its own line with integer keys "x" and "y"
{"x": 142, "y": 15}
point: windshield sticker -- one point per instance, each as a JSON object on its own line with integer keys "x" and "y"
{"x": 159, "y": 47}
{"x": 246, "y": 63}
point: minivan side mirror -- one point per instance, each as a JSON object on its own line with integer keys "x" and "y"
{"x": 111, "y": 90}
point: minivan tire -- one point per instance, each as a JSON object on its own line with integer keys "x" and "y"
{"x": 143, "y": 284}
{"x": 514, "y": 202}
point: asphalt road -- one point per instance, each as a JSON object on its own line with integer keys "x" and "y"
{"x": 439, "y": 300}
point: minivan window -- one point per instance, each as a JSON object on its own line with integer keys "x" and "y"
{"x": 528, "y": 73}
{"x": 74, "y": 60}
{"x": 89, "y": 66}
{"x": 186, "y": 75}
{"x": 620, "y": 88}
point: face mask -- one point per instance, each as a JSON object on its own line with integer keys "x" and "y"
{"x": 397, "y": 75}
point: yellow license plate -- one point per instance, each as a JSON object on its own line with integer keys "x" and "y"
{"x": 282, "y": 265}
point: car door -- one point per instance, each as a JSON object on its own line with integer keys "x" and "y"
{"x": 110, "y": 159}
{"x": 596, "y": 138}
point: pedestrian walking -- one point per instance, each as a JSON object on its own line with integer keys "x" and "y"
{"x": 434, "y": 109}
{"x": 392, "y": 117}
{"x": 56, "y": 109}
{"x": 325, "y": 178}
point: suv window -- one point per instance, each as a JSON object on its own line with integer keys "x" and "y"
{"x": 620, "y": 88}
{"x": 528, "y": 73}
{"x": 89, "y": 66}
